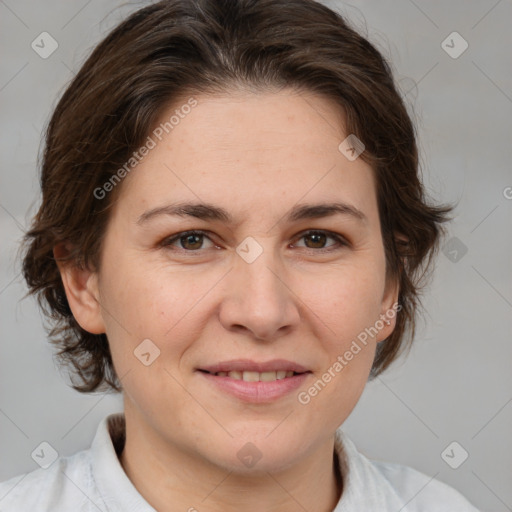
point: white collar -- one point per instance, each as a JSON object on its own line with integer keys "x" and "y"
{"x": 116, "y": 489}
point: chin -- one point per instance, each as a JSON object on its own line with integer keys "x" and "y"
{"x": 252, "y": 455}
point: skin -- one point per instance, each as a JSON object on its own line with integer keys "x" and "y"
{"x": 256, "y": 155}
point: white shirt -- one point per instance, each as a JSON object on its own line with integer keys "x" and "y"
{"x": 93, "y": 480}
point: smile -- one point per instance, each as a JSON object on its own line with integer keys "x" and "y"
{"x": 250, "y": 376}
{"x": 255, "y": 387}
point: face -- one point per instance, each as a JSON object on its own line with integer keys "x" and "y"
{"x": 264, "y": 276}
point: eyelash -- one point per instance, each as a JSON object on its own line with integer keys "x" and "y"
{"x": 341, "y": 241}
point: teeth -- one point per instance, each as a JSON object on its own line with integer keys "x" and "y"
{"x": 256, "y": 376}
{"x": 250, "y": 376}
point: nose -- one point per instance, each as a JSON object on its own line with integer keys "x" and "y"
{"x": 258, "y": 298}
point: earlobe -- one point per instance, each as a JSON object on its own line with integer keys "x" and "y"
{"x": 81, "y": 287}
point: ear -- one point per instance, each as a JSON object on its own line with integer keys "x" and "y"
{"x": 389, "y": 309}
{"x": 81, "y": 287}
{"x": 389, "y": 306}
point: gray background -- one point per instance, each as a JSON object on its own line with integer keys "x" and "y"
{"x": 456, "y": 384}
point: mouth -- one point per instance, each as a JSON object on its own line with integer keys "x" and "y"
{"x": 255, "y": 382}
{"x": 252, "y": 376}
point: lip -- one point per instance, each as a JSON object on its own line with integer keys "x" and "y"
{"x": 254, "y": 366}
{"x": 255, "y": 392}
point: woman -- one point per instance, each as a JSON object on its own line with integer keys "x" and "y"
{"x": 270, "y": 137}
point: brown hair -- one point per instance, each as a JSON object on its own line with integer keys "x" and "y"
{"x": 175, "y": 48}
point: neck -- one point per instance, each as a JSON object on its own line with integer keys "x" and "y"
{"x": 171, "y": 478}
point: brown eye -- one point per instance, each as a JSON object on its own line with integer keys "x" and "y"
{"x": 189, "y": 240}
{"x": 195, "y": 241}
{"x": 318, "y": 239}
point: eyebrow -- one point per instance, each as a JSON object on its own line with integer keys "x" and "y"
{"x": 206, "y": 211}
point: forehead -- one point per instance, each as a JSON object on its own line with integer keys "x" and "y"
{"x": 250, "y": 152}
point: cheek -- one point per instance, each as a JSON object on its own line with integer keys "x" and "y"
{"x": 166, "y": 307}
{"x": 348, "y": 299}
{"x": 348, "y": 313}
{"x": 348, "y": 308}
{"x": 146, "y": 298}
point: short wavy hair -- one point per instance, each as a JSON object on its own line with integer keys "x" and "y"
{"x": 175, "y": 48}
